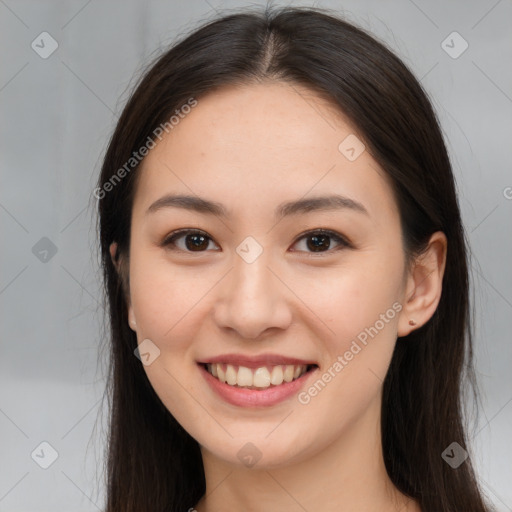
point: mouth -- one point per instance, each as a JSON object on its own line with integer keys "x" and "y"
{"x": 257, "y": 378}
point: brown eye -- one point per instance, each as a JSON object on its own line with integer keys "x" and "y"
{"x": 320, "y": 241}
{"x": 195, "y": 241}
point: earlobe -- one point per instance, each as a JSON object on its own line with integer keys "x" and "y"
{"x": 131, "y": 318}
{"x": 113, "y": 254}
{"x": 116, "y": 261}
{"x": 424, "y": 286}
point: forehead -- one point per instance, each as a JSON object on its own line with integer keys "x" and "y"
{"x": 257, "y": 145}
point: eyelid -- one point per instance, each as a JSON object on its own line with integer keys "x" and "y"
{"x": 337, "y": 237}
{"x": 169, "y": 240}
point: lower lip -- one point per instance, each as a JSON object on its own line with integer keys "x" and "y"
{"x": 254, "y": 397}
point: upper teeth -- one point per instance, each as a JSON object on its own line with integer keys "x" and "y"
{"x": 261, "y": 377}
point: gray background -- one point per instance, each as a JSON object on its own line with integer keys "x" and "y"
{"x": 57, "y": 115}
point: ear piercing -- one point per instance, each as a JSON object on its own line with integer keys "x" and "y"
{"x": 412, "y": 322}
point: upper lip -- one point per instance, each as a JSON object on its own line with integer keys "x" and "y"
{"x": 256, "y": 361}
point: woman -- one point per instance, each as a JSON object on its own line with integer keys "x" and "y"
{"x": 287, "y": 280}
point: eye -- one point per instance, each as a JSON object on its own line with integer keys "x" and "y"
{"x": 318, "y": 241}
{"x": 195, "y": 241}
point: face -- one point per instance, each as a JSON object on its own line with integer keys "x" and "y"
{"x": 273, "y": 290}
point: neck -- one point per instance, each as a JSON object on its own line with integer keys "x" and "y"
{"x": 347, "y": 475}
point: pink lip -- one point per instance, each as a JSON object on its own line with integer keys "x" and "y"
{"x": 256, "y": 361}
{"x": 254, "y": 397}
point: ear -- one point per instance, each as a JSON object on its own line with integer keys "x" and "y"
{"x": 117, "y": 263}
{"x": 131, "y": 318}
{"x": 424, "y": 285}
{"x": 113, "y": 255}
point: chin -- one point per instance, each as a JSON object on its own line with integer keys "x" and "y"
{"x": 259, "y": 452}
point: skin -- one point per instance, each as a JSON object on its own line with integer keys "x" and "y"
{"x": 252, "y": 148}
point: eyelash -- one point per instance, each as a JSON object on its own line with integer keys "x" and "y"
{"x": 170, "y": 241}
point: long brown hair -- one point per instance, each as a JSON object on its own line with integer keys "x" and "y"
{"x": 153, "y": 464}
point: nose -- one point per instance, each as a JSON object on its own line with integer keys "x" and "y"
{"x": 252, "y": 300}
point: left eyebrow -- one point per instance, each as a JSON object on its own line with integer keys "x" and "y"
{"x": 291, "y": 208}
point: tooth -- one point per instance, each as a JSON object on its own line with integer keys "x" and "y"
{"x": 261, "y": 378}
{"x": 288, "y": 373}
{"x": 297, "y": 372}
{"x": 244, "y": 377}
{"x": 231, "y": 375}
{"x": 221, "y": 374}
{"x": 213, "y": 369}
{"x": 277, "y": 376}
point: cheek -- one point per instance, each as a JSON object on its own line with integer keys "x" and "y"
{"x": 352, "y": 300}
{"x": 364, "y": 309}
{"x": 167, "y": 302}
{"x": 164, "y": 298}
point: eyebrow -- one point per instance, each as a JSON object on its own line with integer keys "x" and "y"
{"x": 300, "y": 206}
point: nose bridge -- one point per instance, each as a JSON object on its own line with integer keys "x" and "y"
{"x": 251, "y": 300}
{"x": 251, "y": 277}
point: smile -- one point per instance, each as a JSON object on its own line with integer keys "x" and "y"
{"x": 260, "y": 382}
{"x": 256, "y": 378}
